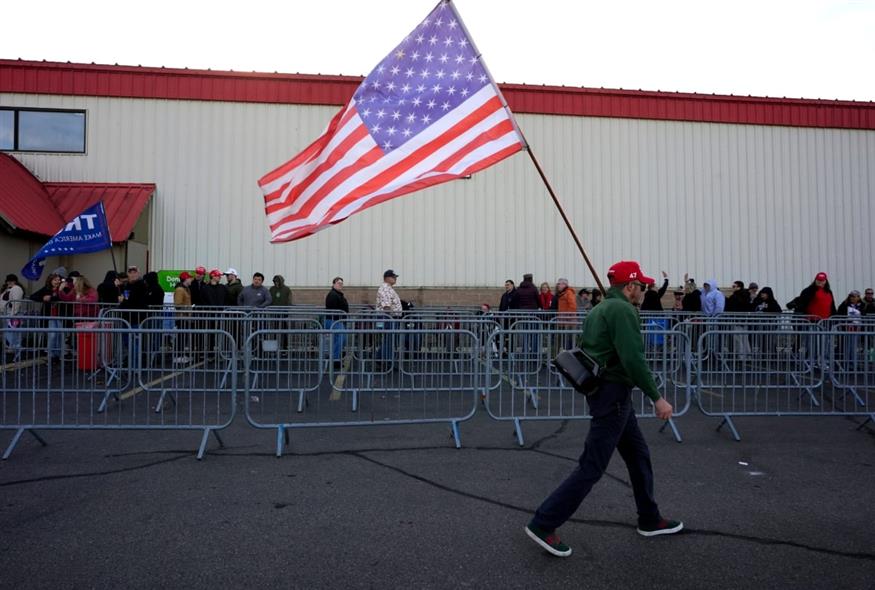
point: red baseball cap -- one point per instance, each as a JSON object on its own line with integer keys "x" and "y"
{"x": 627, "y": 271}
{"x": 215, "y": 272}
{"x": 821, "y": 276}
{"x": 184, "y": 276}
{"x": 200, "y": 270}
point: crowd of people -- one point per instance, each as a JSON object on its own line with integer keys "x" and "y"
{"x": 816, "y": 300}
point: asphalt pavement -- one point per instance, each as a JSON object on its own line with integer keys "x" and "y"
{"x": 790, "y": 506}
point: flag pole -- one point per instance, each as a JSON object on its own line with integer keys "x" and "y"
{"x": 528, "y": 148}
{"x": 109, "y": 233}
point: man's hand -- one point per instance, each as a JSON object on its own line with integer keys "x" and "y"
{"x": 664, "y": 275}
{"x": 663, "y": 409}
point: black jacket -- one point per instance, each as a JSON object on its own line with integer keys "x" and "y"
{"x": 107, "y": 291}
{"x": 336, "y": 300}
{"x": 507, "y": 300}
{"x": 196, "y": 288}
{"x": 801, "y": 303}
{"x": 47, "y": 305}
{"x": 213, "y": 295}
{"x": 739, "y": 301}
{"x": 653, "y": 299}
{"x": 692, "y": 301}
{"x": 769, "y": 305}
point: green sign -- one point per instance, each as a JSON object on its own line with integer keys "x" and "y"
{"x": 168, "y": 279}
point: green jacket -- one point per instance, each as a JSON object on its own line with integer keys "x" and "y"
{"x": 234, "y": 289}
{"x": 612, "y": 336}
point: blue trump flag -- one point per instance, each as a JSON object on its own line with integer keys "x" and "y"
{"x": 87, "y": 232}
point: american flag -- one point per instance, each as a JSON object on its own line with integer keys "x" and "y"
{"x": 428, "y": 113}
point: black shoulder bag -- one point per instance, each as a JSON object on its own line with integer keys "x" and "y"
{"x": 579, "y": 369}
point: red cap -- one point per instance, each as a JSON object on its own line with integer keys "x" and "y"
{"x": 184, "y": 276}
{"x": 627, "y": 271}
{"x": 200, "y": 270}
{"x": 821, "y": 276}
{"x": 215, "y": 273}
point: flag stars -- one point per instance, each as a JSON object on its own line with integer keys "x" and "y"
{"x": 453, "y": 24}
{"x": 430, "y": 104}
{"x": 451, "y": 90}
{"x": 414, "y": 56}
{"x": 433, "y": 40}
{"x": 460, "y": 58}
{"x": 420, "y": 38}
{"x": 463, "y": 42}
{"x": 387, "y": 145}
{"x": 424, "y": 73}
{"x": 428, "y": 58}
{"x": 440, "y": 74}
{"x": 407, "y": 132}
{"x": 381, "y": 68}
{"x": 376, "y": 128}
{"x": 411, "y": 118}
{"x": 448, "y": 42}
{"x": 405, "y": 88}
{"x": 420, "y": 88}
{"x": 464, "y": 92}
{"x": 391, "y": 131}
{"x": 469, "y": 76}
{"x": 390, "y": 86}
{"x": 444, "y": 58}
{"x": 439, "y": 22}
{"x": 402, "y": 102}
{"x": 445, "y": 106}
{"x": 395, "y": 70}
{"x": 381, "y": 113}
{"x": 472, "y": 60}
{"x": 426, "y": 119}
{"x": 483, "y": 78}
{"x": 398, "y": 54}
{"x": 409, "y": 72}
{"x": 375, "y": 84}
{"x": 436, "y": 88}
{"x": 396, "y": 115}
{"x": 455, "y": 75}
{"x": 417, "y": 101}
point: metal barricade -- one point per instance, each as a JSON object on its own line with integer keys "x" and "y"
{"x": 798, "y": 372}
{"x": 523, "y": 384}
{"x": 385, "y": 376}
{"x": 108, "y": 381}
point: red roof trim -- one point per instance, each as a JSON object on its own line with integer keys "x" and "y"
{"x": 24, "y": 203}
{"x": 30, "y": 77}
{"x": 123, "y": 202}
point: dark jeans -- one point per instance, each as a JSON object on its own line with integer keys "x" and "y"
{"x": 613, "y": 426}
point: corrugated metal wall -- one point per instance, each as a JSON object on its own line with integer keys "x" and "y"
{"x": 771, "y": 204}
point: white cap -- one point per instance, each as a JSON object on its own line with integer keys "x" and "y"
{"x": 232, "y": 271}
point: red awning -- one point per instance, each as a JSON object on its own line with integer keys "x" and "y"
{"x": 24, "y": 202}
{"x": 123, "y": 202}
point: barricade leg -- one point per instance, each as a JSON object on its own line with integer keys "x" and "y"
{"x": 728, "y": 421}
{"x": 674, "y": 429}
{"x": 281, "y": 436}
{"x": 456, "y": 435}
{"x": 518, "y": 429}
{"x": 870, "y": 418}
{"x": 17, "y": 437}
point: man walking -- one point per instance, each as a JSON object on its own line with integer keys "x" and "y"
{"x": 612, "y": 338}
{"x": 388, "y": 302}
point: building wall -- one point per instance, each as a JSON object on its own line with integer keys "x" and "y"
{"x": 770, "y": 204}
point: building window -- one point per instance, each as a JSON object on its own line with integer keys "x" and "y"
{"x": 7, "y": 130}
{"x": 42, "y": 130}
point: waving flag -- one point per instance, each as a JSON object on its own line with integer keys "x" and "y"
{"x": 428, "y": 113}
{"x": 87, "y": 232}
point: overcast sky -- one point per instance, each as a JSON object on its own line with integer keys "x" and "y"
{"x": 800, "y": 48}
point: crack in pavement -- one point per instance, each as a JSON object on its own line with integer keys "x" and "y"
{"x": 614, "y": 524}
{"x": 92, "y": 473}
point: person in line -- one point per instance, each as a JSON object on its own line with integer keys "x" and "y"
{"x": 279, "y": 293}
{"x": 256, "y": 294}
{"x": 545, "y": 296}
{"x": 612, "y": 338}
{"x": 335, "y": 301}
{"x": 584, "y": 299}
{"x": 869, "y": 301}
{"x": 816, "y": 300}
{"x": 109, "y": 291}
{"x": 739, "y": 301}
{"x": 86, "y": 298}
{"x": 507, "y": 298}
{"x": 678, "y": 299}
{"x": 527, "y": 295}
{"x": 753, "y": 290}
{"x": 766, "y": 302}
{"x": 10, "y": 306}
{"x": 692, "y": 301}
{"x": 198, "y": 281}
{"x": 48, "y": 295}
{"x": 389, "y": 302}
{"x": 135, "y": 297}
{"x": 182, "y": 304}
{"x": 652, "y": 297}
{"x": 851, "y": 309}
{"x": 596, "y": 297}
{"x": 214, "y": 293}
{"x": 233, "y": 286}
{"x": 713, "y": 301}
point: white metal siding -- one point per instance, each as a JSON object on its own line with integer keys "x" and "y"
{"x": 771, "y": 204}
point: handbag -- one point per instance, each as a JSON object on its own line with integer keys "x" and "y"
{"x": 579, "y": 369}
